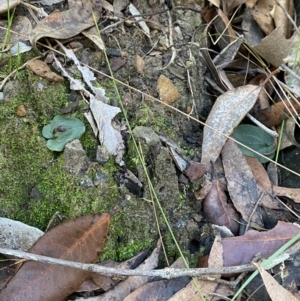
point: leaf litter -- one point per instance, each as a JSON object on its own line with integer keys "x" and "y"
{"x": 247, "y": 184}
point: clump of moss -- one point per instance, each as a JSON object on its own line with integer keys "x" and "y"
{"x": 153, "y": 116}
{"x": 34, "y": 184}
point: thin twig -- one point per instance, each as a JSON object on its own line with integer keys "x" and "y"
{"x": 263, "y": 127}
{"x": 170, "y": 41}
{"x": 253, "y": 211}
{"x": 3, "y": 82}
{"x": 167, "y": 273}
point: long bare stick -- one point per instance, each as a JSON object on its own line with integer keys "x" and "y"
{"x": 167, "y": 273}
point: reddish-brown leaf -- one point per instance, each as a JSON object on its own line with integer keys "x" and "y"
{"x": 79, "y": 240}
{"x": 242, "y": 249}
{"x": 274, "y": 115}
{"x": 218, "y": 209}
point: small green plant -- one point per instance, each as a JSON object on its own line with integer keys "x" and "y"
{"x": 62, "y": 130}
{"x": 257, "y": 139}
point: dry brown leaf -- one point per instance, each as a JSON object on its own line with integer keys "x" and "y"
{"x": 261, "y": 14}
{"x": 259, "y": 173}
{"x": 274, "y": 289}
{"x": 218, "y": 209}
{"x": 274, "y": 115}
{"x": 225, "y": 32}
{"x": 292, "y": 193}
{"x": 43, "y": 70}
{"x": 228, "y": 111}
{"x": 21, "y": 111}
{"x": 275, "y": 47}
{"x": 272, "y": 171}
{"x": 280, "y": 18}
{"x": 225, "y": 57}
{"x": 253, "y": 34}
{"x": 288, "y": 136}
{"x": 215, "y": 2}
{"x": 168, "y": 93}
{"x": 20, "y": 29}
{"x": 195, "y": 171}
{"x": 242, "y": 249}
{"x": 69, "y": 23}
{"x": 80, "y": 240}
{"x": 139, "y": 64}
{"x": 264, "y": 185}
{"x": 241, "y": 184}
{"x": 161, "y": 289}
{"x": 93, "y": 34}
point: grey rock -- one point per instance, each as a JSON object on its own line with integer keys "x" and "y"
{"x": 87, "y": 183}
{"x": 147, "y": 135}
{"x": 99, "y": 177}
{"x": 102, "y": 154}
{"x": 11, "y": 90}
{"x": 16, "y": 235}
{"x": 75, "y": 158}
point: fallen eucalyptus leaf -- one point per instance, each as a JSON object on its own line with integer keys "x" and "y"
{"x": 228, "y": 111}
{"x": 62, "y": 130}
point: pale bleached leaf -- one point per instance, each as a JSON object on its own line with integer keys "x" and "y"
{"x": 95, "y": 37}
{"x": 101, "y": 115}
{"x": 133, "y": 10}
{"x": 107, "y": 134}
{"x": 228, "y": 111}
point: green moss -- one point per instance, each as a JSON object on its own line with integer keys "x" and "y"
{"x": 34, "y": 184}
{"x": 153, "y": 117}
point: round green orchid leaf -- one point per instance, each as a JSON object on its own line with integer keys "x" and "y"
{"x": 62, "y": 130}
{"x": 257, "y": 139}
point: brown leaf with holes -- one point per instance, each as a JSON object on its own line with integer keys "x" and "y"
{"x": 218, "y": 209}
{"x": 41, "y": 69}
{"x": 79, "y": 240}
{"x": 67, "y": 24}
